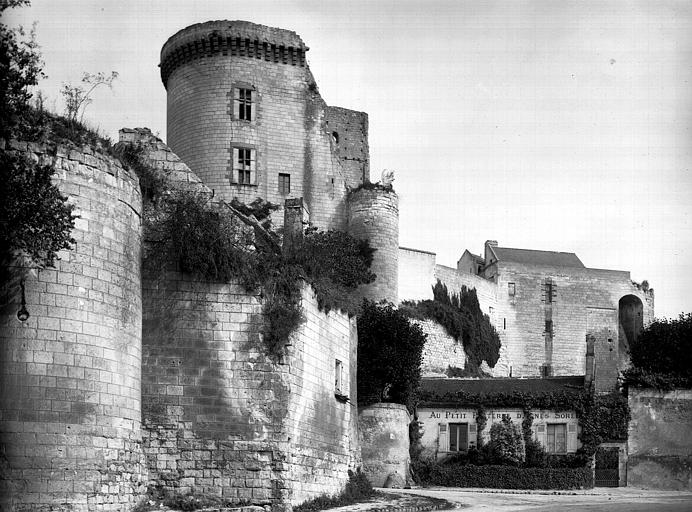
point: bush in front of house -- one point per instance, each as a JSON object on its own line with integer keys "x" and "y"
{"x": 509, "y": 477}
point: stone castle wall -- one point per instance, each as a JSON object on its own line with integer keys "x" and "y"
{"x": 70, "y": 391}
{"x": 440, "y": 351}
{"x": 659, "y": 446}
{"x": 374, "y": 215}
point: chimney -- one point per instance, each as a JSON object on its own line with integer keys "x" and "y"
{"x": 296, "y": 216}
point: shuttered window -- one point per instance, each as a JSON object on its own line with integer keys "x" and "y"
{"x": 458, "y": 437}
{"x": 556, "y": 438}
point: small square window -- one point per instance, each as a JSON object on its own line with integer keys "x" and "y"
{"x": 511, "y": 289}
{"x": 284, "y": 184}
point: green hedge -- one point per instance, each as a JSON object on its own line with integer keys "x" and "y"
{"x": 508, "y": 477}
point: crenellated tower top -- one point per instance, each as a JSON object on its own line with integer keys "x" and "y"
{"x": 236, "y": 38}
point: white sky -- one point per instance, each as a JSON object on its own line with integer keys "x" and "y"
{"x": 544, "y": 125}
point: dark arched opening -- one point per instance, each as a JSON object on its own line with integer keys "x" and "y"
{"x": 631, "y": 318}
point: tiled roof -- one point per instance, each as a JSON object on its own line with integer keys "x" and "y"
{"x": 443, "y": 390}
{"x": 532, "y": 257}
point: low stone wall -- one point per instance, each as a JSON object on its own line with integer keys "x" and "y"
{"x": 659, "y": 443}
{"x": 384, "y": 441}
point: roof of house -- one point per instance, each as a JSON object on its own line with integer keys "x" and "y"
{"x": 475, "y": 257}
{"x": 438, "y": 391}
{"x": 533, "y": 257}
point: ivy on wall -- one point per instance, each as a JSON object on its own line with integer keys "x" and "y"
{"x": 601, "y": 417}
{"x": 220, "y": 242}
{"x": 462, "y": 318}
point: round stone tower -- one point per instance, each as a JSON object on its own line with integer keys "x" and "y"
{"x": 70, "y": 387}
{"x": 237, "y": 107}
{"x": 373, "y": 214}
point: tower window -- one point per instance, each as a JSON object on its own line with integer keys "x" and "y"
{"x": 244, "y": 104}
{"x": 549, "y": 327}
{"x": 550, "y": 291}
{"x": 284, "y": 183}
{"x": 244, "y": 167}
{"x": 338, "y": 376}
{"x": 511, "y": 289}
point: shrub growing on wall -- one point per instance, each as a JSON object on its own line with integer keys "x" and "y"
{"x": 389, "y": 355}
{"x": 462, "y": 318}
{"x": 662, "y": 355}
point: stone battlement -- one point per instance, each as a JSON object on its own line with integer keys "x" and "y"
{"x": 237, "y": 38}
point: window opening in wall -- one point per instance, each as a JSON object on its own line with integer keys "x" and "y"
{"x": 504, "y": 323}
{"x": 511, "y": 289}
{"x": 549, "y": 327}
{"x": 244, "y": 104}
{"x": 338, "y": 375}
{"x": 556, "y": 438}
{"x": 335, "y": 137}
{"x": 458, "y": 437}
{"x": 550, "y": 291}
{"x": 244, "y": 166}
{"x": 284, "y": 183}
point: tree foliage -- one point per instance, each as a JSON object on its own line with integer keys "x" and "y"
{"x": 662, "y": 355}
{"x": 462, "y": 318}
{"x": 20, "y": 70}
{"x": 35, "y": 219}
{"x": 389, "y": 355}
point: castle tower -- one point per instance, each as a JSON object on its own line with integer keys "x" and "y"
{"x": 374, "y": 215}
{"x": 70, "y": 380}
{"x": 245, "y": 115}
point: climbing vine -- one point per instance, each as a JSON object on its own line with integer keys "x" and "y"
{"x": 220, "y": 242}
{"x": 463, "y": 320}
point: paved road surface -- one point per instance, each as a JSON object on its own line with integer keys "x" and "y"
{"x": 624, "y": 499}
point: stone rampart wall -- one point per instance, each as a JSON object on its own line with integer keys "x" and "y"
{"x": 659, "y": 444}
{"x": 440, "y": 351}
{"x": 70, "y": 388}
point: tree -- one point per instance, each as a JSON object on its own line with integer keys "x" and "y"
{"x": 389, "y": 355}
{"x": 662, "y": 355}
{"x": 20, "y": 70}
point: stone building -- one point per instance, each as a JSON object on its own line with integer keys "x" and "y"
{"x": 548, "y": 308}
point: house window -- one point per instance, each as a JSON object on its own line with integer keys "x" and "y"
{"x": 244, "y": 170}
{"x": 556, "y": 438}
{"x": 338, "y": 375}
{"x": 284, "y": 184}
{"x": 244, "y": 104}
{"x": 511, "y": 289}
{"x": 458, "y": 437}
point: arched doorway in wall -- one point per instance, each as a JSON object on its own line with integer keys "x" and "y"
{"x": 631, "y": 319}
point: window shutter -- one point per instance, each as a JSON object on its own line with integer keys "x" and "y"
{"x": 234, "y": 165}
{"x": 253, "y": 171}
{"x": 443, "y": 438}
{"x": 253, "y": 108}
{"x": 236, "y": 104}
{"x": 541, "y": 435}
{"x": 571, "y": 438}
{"x": 473, "y": 434}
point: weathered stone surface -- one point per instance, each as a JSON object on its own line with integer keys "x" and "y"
{"x": 384, "y": 441}
{"x": 659, "y": 442}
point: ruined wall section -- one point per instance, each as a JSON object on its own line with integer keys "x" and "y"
{"x": 70, "y": 390}
{"x": 321, "y": 425}
{"x": 576, "y": 292}
{"x": 349, "y": 133}
{"x": 658, "y": 444}
{"x": 440, "y": 350}
{"x": 374, "y": 215}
